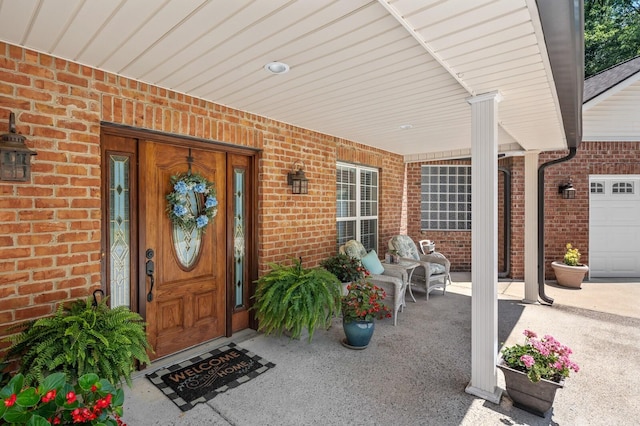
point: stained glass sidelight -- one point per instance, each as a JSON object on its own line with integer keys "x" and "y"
{"x": 238, "y": 236}
{"x": 119, "y": 231}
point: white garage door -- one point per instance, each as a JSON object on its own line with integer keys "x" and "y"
{"x": 614, "y": 226}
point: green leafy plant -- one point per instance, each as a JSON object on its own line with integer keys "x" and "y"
{"x": 572, "y": 256}
{"x": 293, "y": 298}
{"x": 91, "y": 401}
{"x": 544, "y": 358}
{"x": 79, "y": 339}
{"x": 344, "y": 267}
{"x": 363, "y": 302}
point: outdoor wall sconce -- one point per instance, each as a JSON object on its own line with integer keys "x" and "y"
{"x": 15, "y": 157}
{"x": 296, "y": 178}
{"x": 567, "y": 190}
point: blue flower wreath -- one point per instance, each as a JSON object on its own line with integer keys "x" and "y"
{"x": 177, "y": 208}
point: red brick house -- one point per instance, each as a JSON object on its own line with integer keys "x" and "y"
{"x": 116, "y": 98}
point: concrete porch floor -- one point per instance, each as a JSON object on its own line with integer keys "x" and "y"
{"x": 416, "y": 373}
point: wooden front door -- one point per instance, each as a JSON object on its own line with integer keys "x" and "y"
{"x": 186, "y": 305}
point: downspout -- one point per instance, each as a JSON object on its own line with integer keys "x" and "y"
{"x": 506, "y": 222}
{"x": 572, "y": 153}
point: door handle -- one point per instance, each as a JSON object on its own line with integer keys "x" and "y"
{"x": 150, "y": 269}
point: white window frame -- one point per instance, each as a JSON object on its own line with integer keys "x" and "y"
{"x": 597, "y": 187}
{"x": 623, "y": 187}
{"x": 359, "y": 218}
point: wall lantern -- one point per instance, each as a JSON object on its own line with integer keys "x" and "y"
{"x": 296, "y": 178}
{"x": 567, "y": 190}
{"x": 15, "y": 157}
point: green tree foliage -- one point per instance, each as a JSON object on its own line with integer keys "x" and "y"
{"x": 612, "y": 33}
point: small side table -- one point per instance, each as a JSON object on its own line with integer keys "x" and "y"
{"x": 404, "y": 265}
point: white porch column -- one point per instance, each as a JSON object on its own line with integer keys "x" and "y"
{"x": 530, "y": 227}
{"x": 484, "y": 246}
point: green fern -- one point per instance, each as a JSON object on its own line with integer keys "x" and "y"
{"x": 81, "y": 339}
{"x": 294, "y": 298}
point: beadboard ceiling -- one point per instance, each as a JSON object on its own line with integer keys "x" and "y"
{"x": 360, "y": 69}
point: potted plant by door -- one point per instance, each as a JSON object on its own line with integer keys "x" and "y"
{"x": 360, "y": 307}
{"x": 570, "y": 272}
{"x": 534, "y": 371}
{"x": 346, "y": 268}
{"x": 84, "y": 336}
{"x": 293, "y": 299}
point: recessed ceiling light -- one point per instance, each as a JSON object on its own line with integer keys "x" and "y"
{"x": 277, "y": 67}
{"x": 406, "y": 127}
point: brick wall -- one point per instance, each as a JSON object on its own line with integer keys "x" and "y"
{"x": 50, "y": 227}
{"x": 456, "y": 245}
{"x": 567, "y": 221}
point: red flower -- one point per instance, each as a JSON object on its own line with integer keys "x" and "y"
{"x": 71, "y": 397}
{"x": 94, "y": 388}
{"x": 10, "y": 401}
{"x": 49, "y": 396}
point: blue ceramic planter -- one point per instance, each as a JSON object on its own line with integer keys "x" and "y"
{"x": 358, "y": 333}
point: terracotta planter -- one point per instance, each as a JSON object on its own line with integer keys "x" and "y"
{"x": 569, "y": 276}
{"x": 536, "y": 398}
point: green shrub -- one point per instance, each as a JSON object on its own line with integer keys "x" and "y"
{"x": 293, "y": 298}
{"x": 80, "y": 339}
{"x": 346, "y": 268}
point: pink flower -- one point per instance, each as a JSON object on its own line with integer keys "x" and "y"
{"x": 527, "y": 360}
{"x": 549, "y": 356}
{"x": 540, "y": 347}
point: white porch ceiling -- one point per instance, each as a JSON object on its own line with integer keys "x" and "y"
{"x": 359, "y": 68}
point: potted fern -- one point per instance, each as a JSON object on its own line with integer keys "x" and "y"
{"x": 293, "y": 299}
{"x": 81, "y": 338}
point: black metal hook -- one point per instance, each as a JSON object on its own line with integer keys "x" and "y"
{"x": 95, "y": 299}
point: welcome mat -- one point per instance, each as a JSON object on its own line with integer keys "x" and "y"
{"x": 201, "y": 378}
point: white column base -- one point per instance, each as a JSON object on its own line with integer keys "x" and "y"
{"x": 481, "y": 393}
{"x": 530, "y": 302}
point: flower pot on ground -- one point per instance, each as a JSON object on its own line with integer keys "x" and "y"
{"x": 569, "y": 276}
{"x": 570, "y": 272}
{"x": 293, "y": 299}
{"x": 534, "y": 371}
{"x": 360, "y": 307}
{"x": 536, "y": 398}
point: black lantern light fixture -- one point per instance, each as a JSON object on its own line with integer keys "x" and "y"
{"x": 296, "y": 178}
{"x": 567, "y": 190}
{"x": 15, "y": 157}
